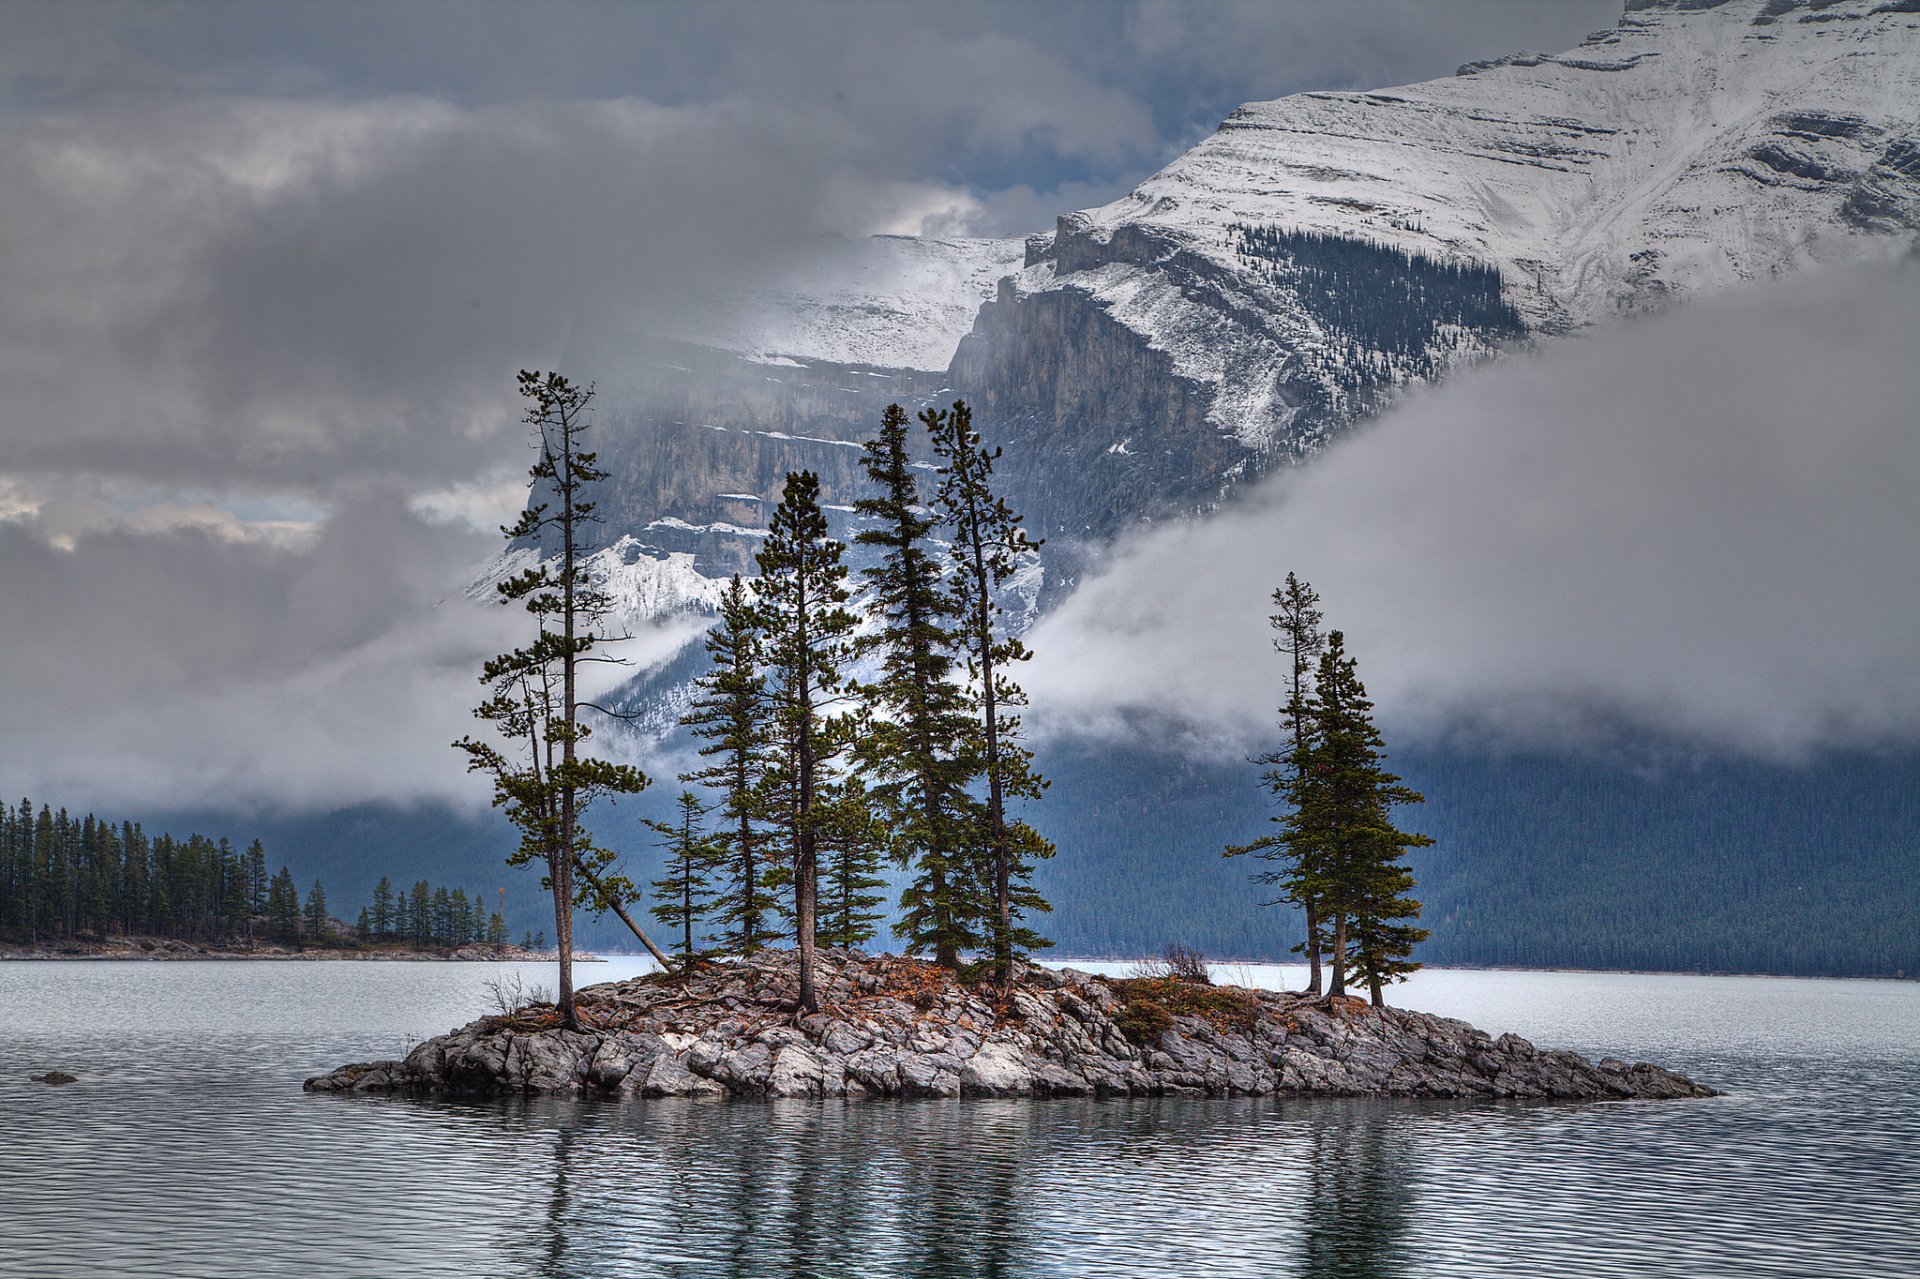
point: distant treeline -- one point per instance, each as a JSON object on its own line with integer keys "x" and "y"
{"x": 429, "y": 916}
{"x": 70, "y": 878}
{"x": 66, "y": 878}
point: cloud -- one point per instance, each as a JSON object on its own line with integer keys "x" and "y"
{"x": 1701, "y": 526}
{"x": 151, "y": 667}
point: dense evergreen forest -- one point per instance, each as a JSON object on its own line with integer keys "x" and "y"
{"x": 82, "y": 879}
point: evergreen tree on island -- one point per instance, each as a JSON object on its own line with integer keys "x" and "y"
{"x": 1301, "y": 643}
{"x": 1341, "y": 833}
{"x": 918, "y": 740}
{"x": 853, "y": 838}
{"x": 534, "y": 701}
{"x": 684, "y": 893}
{"x": 987, "y": 547}
{"x": 728, "y": 714}
{"x": 806, "y": 633}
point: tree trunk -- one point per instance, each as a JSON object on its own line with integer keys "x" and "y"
{"x": 1373, "y": 989}
{"x": 805, "y": 900}
{"x": 1313, "y": 949}
{"x": 558, "y": 870}
{"x": 1337, "y": 988}
{"x": 659, "y": 955}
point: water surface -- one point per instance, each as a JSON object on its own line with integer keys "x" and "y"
{"x": 187, "y": 1148}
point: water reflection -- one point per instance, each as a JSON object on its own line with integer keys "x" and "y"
{"x": 698, "y": 1188}
{"x": 187, "y": 1149}
{"x": 1355, "y": 1215}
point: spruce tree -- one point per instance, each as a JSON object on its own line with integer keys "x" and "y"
{"x": 684, "y": 893}
{"x": 315, "y": 918}
{"x": 283, "y": 905}
{"x": 806, "y": 632}
{"x": 918, "y": 735}
{"x": 534, "y": 700}
{"x": 853, "y": 843}
{"x": 987, "y": 548}
{"x": 729, "y": 715}
{"x": 1301, "y": 643}
{"x": 383, "y": 915}
{"x": 1341, "y": 831}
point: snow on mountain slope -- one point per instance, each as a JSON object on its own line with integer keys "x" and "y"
{"x": 889, "y": 301}
{"x": 1698, "y": 144}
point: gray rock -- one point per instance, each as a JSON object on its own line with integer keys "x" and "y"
{"x": 898, "y": 1028}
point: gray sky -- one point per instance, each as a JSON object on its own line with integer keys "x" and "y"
{"x": 266, "y": 271}
{"x": 1700, "y": 526}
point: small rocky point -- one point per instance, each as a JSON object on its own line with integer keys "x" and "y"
{"x": 893, "y": 1027}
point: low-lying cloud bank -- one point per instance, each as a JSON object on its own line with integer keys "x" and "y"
{"x": 1702, "y": 526}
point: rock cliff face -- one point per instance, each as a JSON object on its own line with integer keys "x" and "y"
{"x": 902, "y": 1028}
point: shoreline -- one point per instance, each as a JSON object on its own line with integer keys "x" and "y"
{"x": 892, "y": 1027}
{"x": 173, "y": 950}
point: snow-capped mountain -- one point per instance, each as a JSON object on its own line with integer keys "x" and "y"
{"x": 1285, "y": 278}
{"x": 1696, "y": 145}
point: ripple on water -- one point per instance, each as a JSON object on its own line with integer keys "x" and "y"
{"x": 187, "y": 1149}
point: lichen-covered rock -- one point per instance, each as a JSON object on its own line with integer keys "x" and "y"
{"x": 890, "y": 1027}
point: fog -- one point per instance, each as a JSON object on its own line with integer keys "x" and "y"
{"x": 1699, "y": 528}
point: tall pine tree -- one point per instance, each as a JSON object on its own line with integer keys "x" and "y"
{"x": 988, "y": 546}
{"x": 806, "y": 632}
{"x": 542, "y": 779}
{"x": 917, "y": 743}
{"x": 1342, "y": 835}
{"x": 729, "y": 715}
{"x": 1301, "y": 643}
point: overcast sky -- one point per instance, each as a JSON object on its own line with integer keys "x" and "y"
{"x": 266, "y": 271}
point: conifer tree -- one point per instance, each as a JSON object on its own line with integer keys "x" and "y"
{"x": 918, "y": 735}
{"x": 1301, "y": 643}
{"x": 283, "y": 907}
{"x": 256, "y": 900}
{"x": 382, "y": 909}
{"x": 729, "y": 714}
{"x": 315, "y": 918}
{"x": 988, "y": 545}
{"x": 806, "y": 632}
{"x": 534, "y": 700}
{"x": 1342, "y": 834}
{"x": 853, "y": 839}
{"x": 684, "y": 893}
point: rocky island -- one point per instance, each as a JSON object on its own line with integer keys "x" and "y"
{"x": 893, "y": 1027}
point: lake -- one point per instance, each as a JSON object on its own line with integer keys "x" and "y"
{"x": 188, "y": 1149}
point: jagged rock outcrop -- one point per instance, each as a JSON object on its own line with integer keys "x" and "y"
{"x": 893, "y": 1027}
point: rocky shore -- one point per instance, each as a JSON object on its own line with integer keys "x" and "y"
{"x": 904, "y": 1028}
